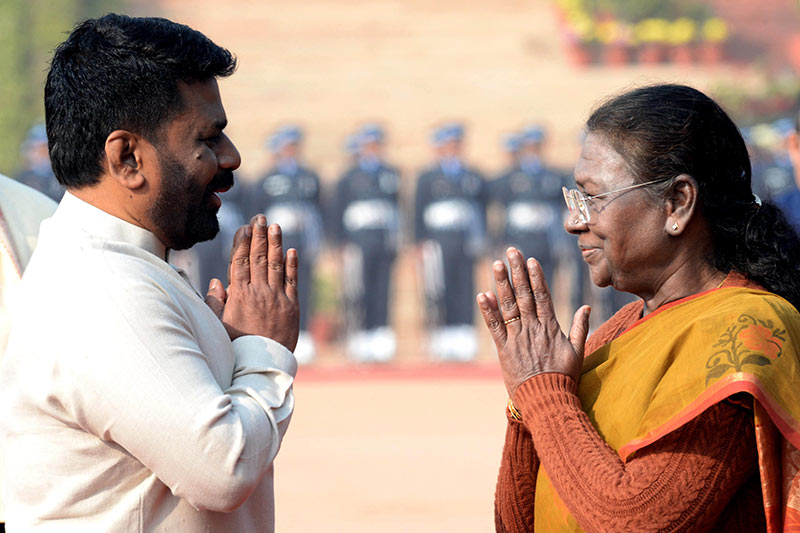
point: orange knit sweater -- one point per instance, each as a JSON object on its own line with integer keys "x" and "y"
{"x": 703, "y": 476}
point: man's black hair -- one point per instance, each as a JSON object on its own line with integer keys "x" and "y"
{"x": 119, "y": 72}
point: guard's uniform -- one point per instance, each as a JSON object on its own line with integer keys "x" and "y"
{"x": 289, "y": 195}
{"x": 367, "y": 223}
{"x": 772, "y": 173}
{"x": 450, "y": 224}
{"x": 533, "y": 202}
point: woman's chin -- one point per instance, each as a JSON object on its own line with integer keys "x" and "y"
{"x": 599, "y": 276}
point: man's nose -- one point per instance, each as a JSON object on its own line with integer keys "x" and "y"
{"x": 229, "y": 157}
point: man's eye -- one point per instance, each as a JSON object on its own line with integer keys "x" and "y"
{"x": 213, "y": 140}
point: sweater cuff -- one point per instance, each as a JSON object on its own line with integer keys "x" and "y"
{"x": 544, "y": 390}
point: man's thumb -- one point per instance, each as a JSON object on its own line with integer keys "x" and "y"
{"x": 215, "y": 297}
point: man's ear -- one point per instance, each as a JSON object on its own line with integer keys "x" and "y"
{"x": 124, "y": 158}
{"x": 681, "y": 203}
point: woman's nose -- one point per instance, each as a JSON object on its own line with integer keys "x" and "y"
{"x": 573, "y": 223}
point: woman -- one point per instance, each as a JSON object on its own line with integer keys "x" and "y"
{"x": 685, "y": 413}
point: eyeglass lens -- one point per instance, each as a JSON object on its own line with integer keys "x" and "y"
{"x": 575, "y": 200}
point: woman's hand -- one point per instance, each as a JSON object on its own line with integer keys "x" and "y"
{"x": 534, "y": 343}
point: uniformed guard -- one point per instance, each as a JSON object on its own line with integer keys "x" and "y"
{"x": 530, "y": 195}
{"x": 789, "y": 199}
{"x": 450, "y": 226}
{"x": 38, "y": 172}
{"x": 772, "y": 172}
{"x": 289, "y": 194}
{"x": 367, "y": 223}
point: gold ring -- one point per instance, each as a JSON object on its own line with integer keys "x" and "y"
{"x": 510, "y": 320}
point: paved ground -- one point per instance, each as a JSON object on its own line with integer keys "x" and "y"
{"x": 389, "y": 451}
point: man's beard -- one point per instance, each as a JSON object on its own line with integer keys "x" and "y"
{"x": 182, "y": 211}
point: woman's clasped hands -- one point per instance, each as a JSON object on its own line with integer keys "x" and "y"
{"x": 522, "y": 321}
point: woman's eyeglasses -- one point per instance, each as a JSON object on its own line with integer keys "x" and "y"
{"x": 577, "y": 201}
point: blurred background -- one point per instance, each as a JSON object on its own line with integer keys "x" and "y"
{"x": 394, "y": 430}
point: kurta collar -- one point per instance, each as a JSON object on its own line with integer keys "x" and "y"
{"x": 97, "y": 222}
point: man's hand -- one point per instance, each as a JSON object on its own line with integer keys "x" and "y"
{"x": 261, "y": 298}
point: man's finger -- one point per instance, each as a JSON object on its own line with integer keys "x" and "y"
{"x": 291, "y": 274}
{"x": 580, "y": 329}
{"x": 237, "y": 237}
{"x": 493, "y": 319}
{"x": 259, "y": 251}
{"x": 239, "y": 270}
{"x": 505, "y": 294}
{"x": 275, "y": 258}
{"x": 521, "y": 282}
{"x": 541, "y": 293}
{"x": 216, "y": 296}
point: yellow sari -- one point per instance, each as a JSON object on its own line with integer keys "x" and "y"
{"x": 675, "y": 363}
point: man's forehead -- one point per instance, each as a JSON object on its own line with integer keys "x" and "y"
{"x": 202, "y": 101}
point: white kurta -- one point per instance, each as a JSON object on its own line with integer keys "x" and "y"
{"x": 125, "y": 406}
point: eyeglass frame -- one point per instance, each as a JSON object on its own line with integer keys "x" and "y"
{"x": 577, "y": 197}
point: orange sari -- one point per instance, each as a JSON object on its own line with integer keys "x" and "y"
{"x": 675, "y": 363}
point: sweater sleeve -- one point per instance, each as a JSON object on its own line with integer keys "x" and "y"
{"x": 685, "y": 480}
{"x": 516, "y": 483}
{"x": 519, "y": 465}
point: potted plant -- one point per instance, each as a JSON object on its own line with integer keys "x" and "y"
{"x": 714, "y": 34}
{"x": 580, "y": 36}
{"x": 614, "y": 36}
{"x": 680, "y": 35}
{"x": 652, "y": 35}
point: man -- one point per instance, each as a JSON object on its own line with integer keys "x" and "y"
{"x": 449, "y": 224}
{"x": 289, "y": 194}
{"x": 38, "y": 174}
{"x": 789, "y": 199}
{"x": 142, "y": 408}
{"x": 367, "y": 223}
{"x": 769, "y": 146}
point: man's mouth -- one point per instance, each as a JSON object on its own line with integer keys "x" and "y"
{"x": 221, "y": 183}
{"x": 223, "y": 188}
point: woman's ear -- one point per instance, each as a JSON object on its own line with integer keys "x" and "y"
{"x": 124, "y": 154}
{"x": 681, "y": 204}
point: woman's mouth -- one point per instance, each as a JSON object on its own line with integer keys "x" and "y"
{"x": 588, "y": 252}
